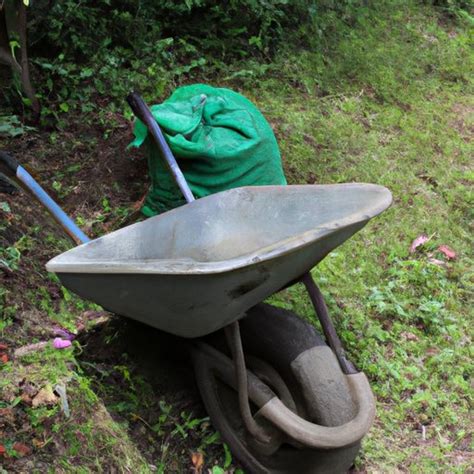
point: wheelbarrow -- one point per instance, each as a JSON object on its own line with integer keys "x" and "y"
{"x": 284, "y": 398}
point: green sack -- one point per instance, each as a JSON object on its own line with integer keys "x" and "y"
{"x": 220, "y": 140}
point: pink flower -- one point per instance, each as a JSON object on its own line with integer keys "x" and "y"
{"x": 59, "y": 343}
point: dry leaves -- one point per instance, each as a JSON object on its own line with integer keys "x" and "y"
{"x": 7, "y": 416}
{"x": 198, "y": 461}
{"x": 45, "y": 396}
{"x": 448, "y": 252}
{"x": 418, "y": 242}
{"x": 22, "y": 449}
{"x": 22, "y": 351}
{"x": 3, "y": 353}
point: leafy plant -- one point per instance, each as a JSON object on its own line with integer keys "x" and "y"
{"x": 10, "y": 126}
{"x": 9, "y": 258}
{"x": 14, "y": 49}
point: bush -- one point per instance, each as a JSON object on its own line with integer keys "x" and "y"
{"x": 107, "y": 47}
{"x": 111, "y": 46}
{"x": 233, "y": 28}
{"x": 458, "y": 8}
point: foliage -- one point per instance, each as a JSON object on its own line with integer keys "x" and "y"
{"x": 379, "y": 92}
{"x": 460, "y": 8}
{"x": 107, "y": 47}
{"x": 9, "y": 258}
{"x": 11, "y": 126}
{"x": 134, "y": 28}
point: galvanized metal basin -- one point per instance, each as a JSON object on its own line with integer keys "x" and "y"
{"x": 196, "y": 269}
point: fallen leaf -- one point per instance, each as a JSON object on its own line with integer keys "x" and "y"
{"x": 60, "y": 389}
{"x": 26, "y": 399}
{"x": 2, "y": 450}
{"x": 448, "y": 252}
{"x": 198, "y": 461}
{"x": 7, "y": 416}
{"x": 3, "y": 358}
{"x": 22, "y": 449}
{"x": 3, "y": 347}
{"x": 37, "y": 443}
{"x": 96, "y": 317}
{"x": 80, "y": 327}
{"x": 432, "y": 351}
{"x": 409, "y": 336}
{"x": 137, "y": 205}
{"x": 59, "y": 343}
{"x": 29, "y": 389}
{"x": 45, "y": 396}
{"x": 436, "y": 261}
{"x": 419, "y": 241}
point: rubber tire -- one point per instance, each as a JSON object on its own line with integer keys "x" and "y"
{"x": 221, "y": 404}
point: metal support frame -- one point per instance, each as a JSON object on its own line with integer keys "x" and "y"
{"x": 332, "y": 339}
{"x": 234, "y": 341}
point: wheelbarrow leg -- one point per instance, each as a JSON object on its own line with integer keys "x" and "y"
{"x": 317, "y": 430}
{"x": 234, "y": 341}
{"x": 332, "y": 339}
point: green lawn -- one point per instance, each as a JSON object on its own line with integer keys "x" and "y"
{"x": 391, "y": 102}
{"x": 399, "y": 113}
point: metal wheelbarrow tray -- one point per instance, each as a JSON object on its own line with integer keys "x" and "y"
{"x": 198, "y": 268}
{"x": 301, "y": 406}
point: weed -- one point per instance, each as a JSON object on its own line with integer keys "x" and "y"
{"x": 9, "y": 258}
{"x": 11, "y": 126}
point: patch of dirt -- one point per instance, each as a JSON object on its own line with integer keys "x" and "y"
{"x": 142, "y": 377}
{"x": 86, "y": 168}
{"x": 464, "y": 121}
{"x": 78, "y": 167}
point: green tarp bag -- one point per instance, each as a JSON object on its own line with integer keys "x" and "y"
{"x": 220, "y": 140}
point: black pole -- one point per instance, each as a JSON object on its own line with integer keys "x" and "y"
{"x": 141, "y": 111}
{"x": 330, "y": 334}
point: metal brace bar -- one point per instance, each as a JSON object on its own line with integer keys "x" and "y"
{"x": 330, "y": 334}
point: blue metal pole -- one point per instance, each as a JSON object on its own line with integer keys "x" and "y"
{"x": 17, "y": 174}
{"x": 43, "y": 197}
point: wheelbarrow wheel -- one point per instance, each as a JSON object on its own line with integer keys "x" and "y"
{"x": 286, "y": 335}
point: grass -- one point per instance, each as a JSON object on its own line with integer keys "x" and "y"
{"x": 390, "y": 102}
{"x": 405, "y": 121}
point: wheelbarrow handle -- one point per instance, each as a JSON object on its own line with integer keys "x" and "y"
{"x": 10, "y": 167}
{"x": 142, "y": 112}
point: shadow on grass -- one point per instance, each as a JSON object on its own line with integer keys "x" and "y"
{"x": 145, "y": 379}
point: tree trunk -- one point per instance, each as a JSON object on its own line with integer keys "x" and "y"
{"x": 5, "y": 54}
{"x": 25, "y": 68}
{"x": 11, "y": 23}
